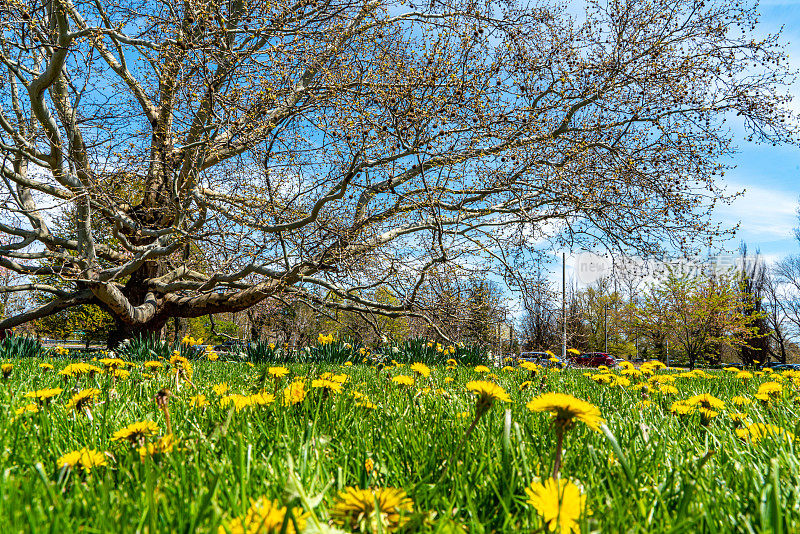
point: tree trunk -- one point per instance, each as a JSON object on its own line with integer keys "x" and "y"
{"x": 123, "y": 331}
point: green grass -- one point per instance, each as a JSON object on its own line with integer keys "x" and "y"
{"x": 656, "y": 473}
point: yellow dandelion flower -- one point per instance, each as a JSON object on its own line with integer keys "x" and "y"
{"x": 84, "y": 458}
{"x": 109, "y": 363}
{"x": 240, "y": 402}
{"x": 75, "y": 370}
{"x": 667, "y": 389}
{"x": 661, "y": 379}
{"x": 602, "y": 378}
{"x": 220, "y": 389}
{"x": 28, "y": 408}
{"x": 741, "y": 401}
{"x": 681, "y": 408}
{"x": 262, "y": 399}
{"x": 487, "y": 392}
{"x": 162, "y": 445}
{"x": 565, "y": 408}
{"x": 707, "y": 414}
{"x": 758, "y": 431}
{"x": 136, "y": 431}
{"x": 530, "y": 366}
{"x": 119, "y": 373}
{"x": 772, "y": 389}
{"x": 621, "y": 381}
{"x": 46, "y": 366}
{"x": 198, "y": 401}
{"x": 278, "y": 372}
{"x": 481, "y": 369}
{"x": 295, "y": 393}
{"x": 265, "y": 517}
{"x": 559, "y": 502}
{"x": 83, "y": 398}
{"x": 327, "y": 385}
{"x": 705, "y": 400}
{"x": 421, "y": 369}
{"x": 44, "y": 395}
{"x": 403, "y": 380}
{"x": 370, "y": 510}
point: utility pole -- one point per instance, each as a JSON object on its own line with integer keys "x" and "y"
{"x": 605, "y": 326}
{"x": 564, "y": 306}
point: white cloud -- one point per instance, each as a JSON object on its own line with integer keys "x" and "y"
{"x": 770, "y": 214}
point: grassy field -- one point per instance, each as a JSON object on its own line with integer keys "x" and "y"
{"x": 229, "y": 445}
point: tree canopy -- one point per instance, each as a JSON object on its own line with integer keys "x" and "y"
{"x": 207, "y": 155}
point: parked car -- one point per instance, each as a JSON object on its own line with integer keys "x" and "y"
{"x": 543, "y": 359}
{"x": 786, "y": 367}
{"x": 592, "y": 359}
{"x": 230, "y": 346}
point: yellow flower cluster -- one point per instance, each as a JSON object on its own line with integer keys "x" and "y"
{"x": 44, "y": 395}
{"x": 77, "y": 370}
{"x": 322, "y": 339}
{"x": 84, "y": 458}
{"x": 189, "y": 341}
{"x": 162, "y": 445}
{"x": 241, "y": 402}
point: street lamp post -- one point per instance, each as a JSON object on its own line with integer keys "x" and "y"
{"x": 564, "y": 306}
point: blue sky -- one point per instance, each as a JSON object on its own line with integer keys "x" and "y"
{"x": 769, "y": 175}
{"x": 767, "y": 212}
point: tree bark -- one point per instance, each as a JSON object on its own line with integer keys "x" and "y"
{"x": 123, "y": 331}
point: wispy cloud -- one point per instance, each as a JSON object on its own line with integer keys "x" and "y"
{"x": 766, "y": 216}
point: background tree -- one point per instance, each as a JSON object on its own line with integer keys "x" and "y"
{"x": 89, "y": 322}
{"x": 753, "y": 282}
{"x": 777, "y": 322}
{"x": 541, "y": 302}
{"x": 239, "y": 151}
{"x": 484, "y": 313}
{"x": 704, "y": 314}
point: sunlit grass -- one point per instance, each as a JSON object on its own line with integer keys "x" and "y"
{"x": 647, "y": 470}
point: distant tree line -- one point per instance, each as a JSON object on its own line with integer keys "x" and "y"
{"x": 751, "y": 314}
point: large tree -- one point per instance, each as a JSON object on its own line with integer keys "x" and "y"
{"x": 210, "y": 154}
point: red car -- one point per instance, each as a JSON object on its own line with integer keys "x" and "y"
{"x": 593, "y": 359}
